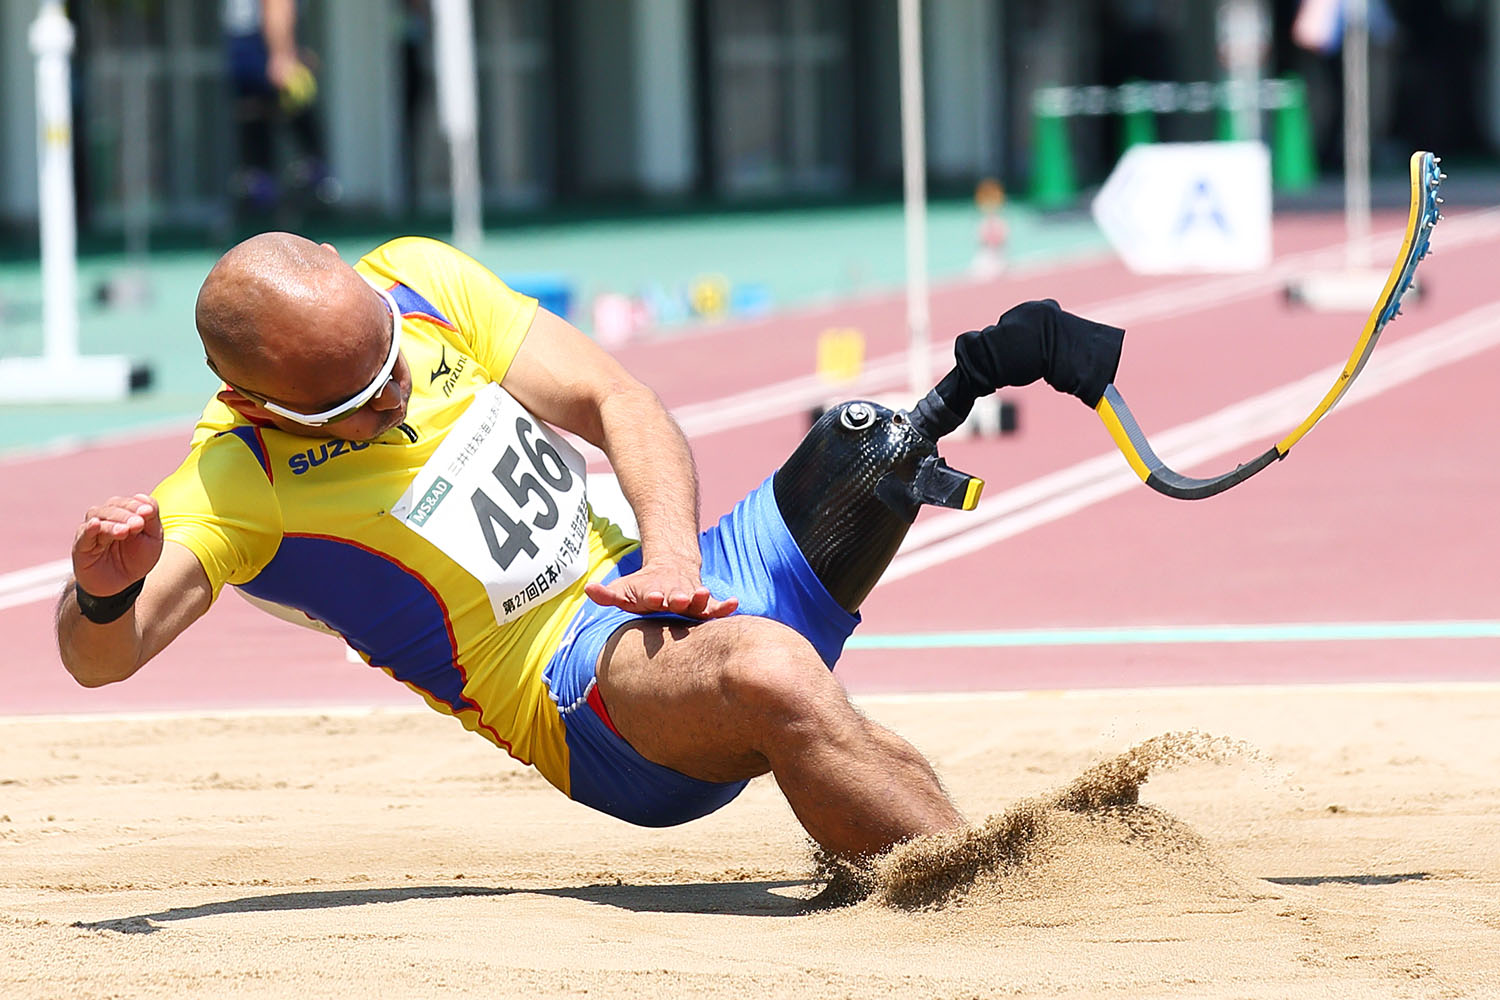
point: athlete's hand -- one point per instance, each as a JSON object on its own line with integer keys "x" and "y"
{"x": 661, "y": 586}
{"x": 117, "y": 544}
{"x": 293, "y": 79}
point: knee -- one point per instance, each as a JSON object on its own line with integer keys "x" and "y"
{"x": 774, "y": 674}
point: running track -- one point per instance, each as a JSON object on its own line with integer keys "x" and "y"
{"x": 1369, "y": 555}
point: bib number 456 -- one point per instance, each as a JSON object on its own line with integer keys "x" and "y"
{"x": 514, "y": 537}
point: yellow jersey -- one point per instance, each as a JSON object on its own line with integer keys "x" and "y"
{"x": 345, "y": 531}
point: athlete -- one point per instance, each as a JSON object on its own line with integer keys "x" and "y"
{"x": 273, "y": 86}
{"x": 382, "y": 461}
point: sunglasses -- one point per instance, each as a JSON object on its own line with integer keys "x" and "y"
{"x": 351, "y": 405}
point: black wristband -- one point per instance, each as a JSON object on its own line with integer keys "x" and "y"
{"x": 103, "y": 610}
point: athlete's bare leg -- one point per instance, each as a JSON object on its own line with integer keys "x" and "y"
{"x": 734, "y": 698}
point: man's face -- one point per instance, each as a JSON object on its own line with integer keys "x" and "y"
{"x": 332, "y": 368}
{"x": 383, "y": 411}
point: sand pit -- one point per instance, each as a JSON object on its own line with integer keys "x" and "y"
{"x": 1322, "y": 843}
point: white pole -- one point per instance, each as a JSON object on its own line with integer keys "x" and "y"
{"x": 60, "y": 374}
{"x": 914, "y": 172}
{"x": 1242, "y": 38}
{"x": 458, "y": 107}
{"x": 1357, "y": 134}
{"x": 51, "y": 43}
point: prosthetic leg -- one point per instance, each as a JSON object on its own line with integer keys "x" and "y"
{"x": 853, "y": 486}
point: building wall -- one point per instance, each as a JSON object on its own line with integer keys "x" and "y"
{"x": 1492, "y": 82}
{"x": 1045, "y": 46}
{"x": 881, "y": 83}
{"x": 606, "y": 63}
{"x": 18, "y": 183}
{"x": 360, "y": 95}
{"x": 596, "y": 98}
{"x": 964, "y": 85}
{"x": 665, "y": 70}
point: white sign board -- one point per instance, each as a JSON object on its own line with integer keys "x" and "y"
{"x": 1172, "y": 208}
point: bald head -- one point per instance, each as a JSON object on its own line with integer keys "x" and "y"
{"x": 284, "y": 316}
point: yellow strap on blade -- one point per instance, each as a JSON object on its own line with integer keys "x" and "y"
{"x": 1420, "y": 218}
{"x": 1117, "y": 431}
{"x": 1415, "y": 245}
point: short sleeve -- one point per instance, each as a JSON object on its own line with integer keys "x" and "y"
{"x": 491, "y": 317}
{"x": 220, "y": 505}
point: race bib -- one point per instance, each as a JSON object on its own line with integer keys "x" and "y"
{"x": 504, "y": 496}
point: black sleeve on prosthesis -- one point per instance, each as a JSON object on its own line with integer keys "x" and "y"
{"x": 1034, "y": 340}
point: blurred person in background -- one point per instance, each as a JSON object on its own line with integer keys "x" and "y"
{"x": 1318, "y": 32}
{"x": 273, "y": 85}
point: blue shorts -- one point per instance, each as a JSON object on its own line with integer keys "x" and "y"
{"x": 248, "y": 57}
{"x": 750, "y": 554}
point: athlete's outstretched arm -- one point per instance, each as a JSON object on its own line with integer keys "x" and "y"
{"x": 118, "y": 544}
{"x": 566, "y": 379}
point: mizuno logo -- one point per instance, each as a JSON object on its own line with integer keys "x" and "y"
{"x": 442, "y": 367}
{"x": 450, "y": 374}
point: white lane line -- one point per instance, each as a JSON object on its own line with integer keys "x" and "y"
{"x": 1246, "y": 633}
{"x": 188, "y": 715}
{"x": 35, "y": 583}
{"x": 1229, "y": 691}
{"x": 44, "y": 573}
{"x": 948, "y": 536}
{"x": 177, "y": 426}
{"x": 797, "y": 395}
{"x": 951, "y": 536}
{"x": 41, "y": 592}
{"x": 63, "y": 721}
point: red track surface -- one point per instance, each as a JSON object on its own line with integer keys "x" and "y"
{"x": 1384, "y": 513}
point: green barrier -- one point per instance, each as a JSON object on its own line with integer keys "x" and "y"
{"x": 1294, "y": 160}
{"x": 1226, "y": 124}
{"x": 1053, "y": 184}
{"x": 1137, "y": 117}
{"x": 1054, "y": 181}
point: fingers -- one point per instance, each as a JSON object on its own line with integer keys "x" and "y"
{"x": 624, "y": 593}
{"x": 119, "y": 517}
{"x": 602, "y": 595}
{"x": 695, "y": 604}
{"x": 702, "y": 604}
{"x": 118, "y": 543}
{"x": 720, "y": 609}
{"x": 115, "y": 519}
{"x": 683, "y": 603}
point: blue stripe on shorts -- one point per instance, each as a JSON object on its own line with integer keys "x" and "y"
{"x": 749, "y": 554}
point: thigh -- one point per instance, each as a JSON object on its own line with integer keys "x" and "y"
{"x": 704, "y": 698}
{"x": 603, "y": 770}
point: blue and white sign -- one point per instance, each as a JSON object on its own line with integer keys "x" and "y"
{"x": 1174, "y": 208}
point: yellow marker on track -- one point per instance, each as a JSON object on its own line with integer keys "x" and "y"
{"x": 841, "y": 354}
